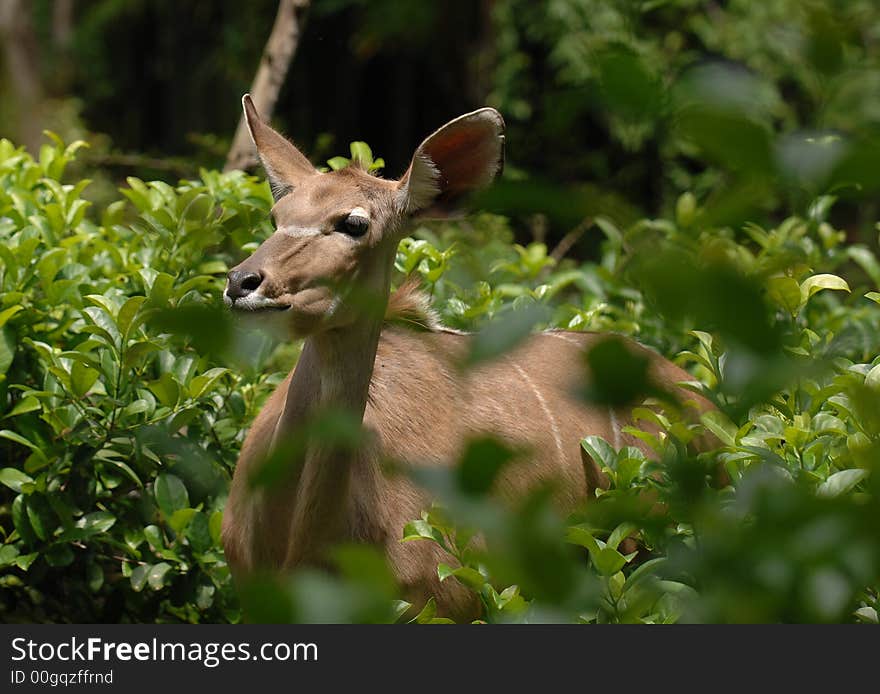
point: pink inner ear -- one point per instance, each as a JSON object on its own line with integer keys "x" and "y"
{"x": 467, "y": 155}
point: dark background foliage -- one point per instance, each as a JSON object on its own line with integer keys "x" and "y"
{"x": 699, "y": 175}
{"x": 583, "y": 84}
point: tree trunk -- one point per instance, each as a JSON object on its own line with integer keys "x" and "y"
{"x": 22, "y": 58}
{"x": 62, "y": 23}
{"x": 62, "y": 66}
{"x": 277, "y": 56}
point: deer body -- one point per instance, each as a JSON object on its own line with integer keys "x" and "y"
{"x": 416, "y": 403}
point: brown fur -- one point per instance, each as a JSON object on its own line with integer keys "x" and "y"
{"x": 409, "y": 306}
{"x": 403, "y": 378}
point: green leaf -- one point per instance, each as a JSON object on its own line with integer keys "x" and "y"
{"x": 139, "y": 577}
{"x": 399, "y": 608}
{"x": 503, "y": 334}
{"x": 421, "y": 530}
{"x": 199, "y": 208}
{"x": 157, "y": 574}
{"x": 21, "y": 522}
{"x": 7, "y": 349}
{"x": 171, "y": 494}
{"x": 160, "y": 291}
{"x": 427, "y": 612}
{"x": 868, "y": 615}
{"x": 872, "y": 378}
{"x": 578, "y": 535}
{"x": 361, "y": 152}
{"x": 428, "y": 615}
{"x": 166, "y": 389}
{"x": 198, "y": 532}
{"x": 618, "y": 374}
{"x": 785, "y": 292}
{"x": 480, "y": 464}
{"x": 24, "y": 561}
{"x": 337, "y": 163}
{"x": 720, "y": 425}
{"x": 14, "y": 478}
{"x": 126, "y": 469}
{"x": 59, "y": 556}
{"x": 629, "y": 467}
{"x": 8, "y": 313}
{"x": 8, "y": 554}
{"x": 128, "y": 312}
{"x": 102, "y": 322}
{"x": 602, "y": 453}
{"x": 620, "y": 533}
{"x": 817, "y": 283}
{"x": 41, "y": 516}
{"x": 467, "y": 575}
{"x": 444, "y": 571}
{"x": 181, "y": 518}
{"x": 97, "y": 522}
{"x": 841, "y": 482}
{"x": 644, "y": 571}
{"x": 95, "y": 577}
{"x": 215, "y": 525}
{"x": 138, "y": 350}
{"x": 25, "y": 405}
{"x": 205, "y": 381}
{"x": 108, "y": 305}
{"x": 685, "y": 209}
{"x": 608, "y": 561}
{"x": 153, "y": 536}
{"x": 12, "y": 436}
{"x": 213, "y": 267}
{"x": 82, "y": 378}
{"x": 615, "y": 584}
{"x": 826, "y": 423}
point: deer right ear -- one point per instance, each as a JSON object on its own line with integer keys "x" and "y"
{"x": 464, "y": 155}
{"x": 285, "y": 165}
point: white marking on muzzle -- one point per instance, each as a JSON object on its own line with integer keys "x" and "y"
{"x": 252, "y": 302}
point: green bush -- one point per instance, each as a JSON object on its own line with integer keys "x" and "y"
{"x": 125, "y": 393}
{"x": 119, "y": 434}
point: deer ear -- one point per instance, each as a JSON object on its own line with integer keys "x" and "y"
{"x": 285, "y": 165}
{"x": 464, "y": 155}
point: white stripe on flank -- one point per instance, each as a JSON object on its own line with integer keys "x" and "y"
{"x": 541, "y": 401}
{"x": 612, "y": 416}
{"x": 562, "y": 336}
{"x": 615, "y": 428}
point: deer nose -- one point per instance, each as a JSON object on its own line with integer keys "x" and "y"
{"x": 240, "y": 283}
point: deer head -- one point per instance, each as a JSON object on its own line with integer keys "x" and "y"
{"x": 337, "y": 233}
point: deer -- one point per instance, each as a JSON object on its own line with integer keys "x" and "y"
{"x": 335, "y": 240}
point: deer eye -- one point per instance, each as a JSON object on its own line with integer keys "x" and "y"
{"x": 353, "y": 225}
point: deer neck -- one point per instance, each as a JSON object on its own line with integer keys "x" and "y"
{"x": 333, "y": 373}
{"x": 343, "y": 360}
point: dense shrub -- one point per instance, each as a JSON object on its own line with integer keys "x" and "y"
{"x": 126, "y": 392}
{"x": 119, "y": 435}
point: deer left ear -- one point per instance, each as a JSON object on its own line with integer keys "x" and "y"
{"x": 285, "y": 165}
{"x": 464, "y": 155}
